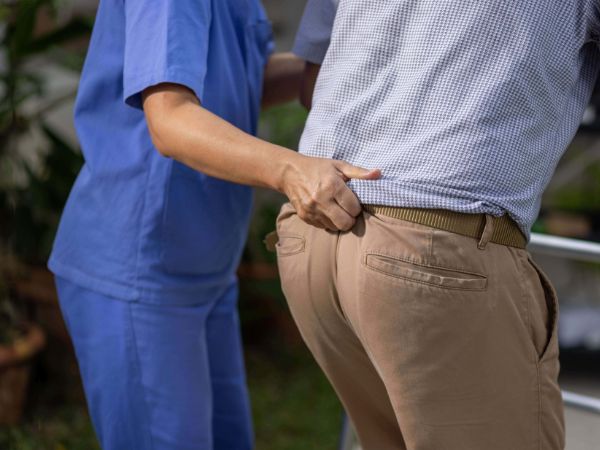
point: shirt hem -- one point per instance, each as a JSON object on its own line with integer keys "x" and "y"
{"x": 313, "y": 53}
{"x": 171, "y": 296}
{"x": 96, "y": 284}
{"x": 408, "y": 195}
{"x": 135, "y": 84}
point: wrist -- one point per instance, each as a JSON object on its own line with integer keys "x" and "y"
{"x": 286, "y": 169}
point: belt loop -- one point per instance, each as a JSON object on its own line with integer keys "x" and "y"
{"x": 488, "y": 231}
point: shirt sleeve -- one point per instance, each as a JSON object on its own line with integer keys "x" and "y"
{"x": 166, "y": 41}
{"x": 314, "y": 33}
{"x": 594, "y": 20}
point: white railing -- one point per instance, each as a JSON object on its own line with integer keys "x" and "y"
{"x": 567, "y": 248}
{"x": 582, "y": 402}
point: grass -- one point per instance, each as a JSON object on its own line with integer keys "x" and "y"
{"x": 294, "y": 407}
{"x": 63, "y": 428}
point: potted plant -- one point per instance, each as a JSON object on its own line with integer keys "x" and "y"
{"x": 37, "y": 164}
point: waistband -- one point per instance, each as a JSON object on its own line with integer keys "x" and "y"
{"x": 505, "y": 231}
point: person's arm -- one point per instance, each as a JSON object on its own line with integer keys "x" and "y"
{"x": 185, "y": 131}
{"x": 282, "y": 79}
{"x": 314, "y": 33}
{"x": 312, "y": 42}
{"x": 309, "y": 79}
{"x": 165, "y": 64}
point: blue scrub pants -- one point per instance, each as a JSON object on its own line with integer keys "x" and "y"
{"x": 160, "y": 377}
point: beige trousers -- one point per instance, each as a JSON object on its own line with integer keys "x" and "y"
{"x": 430, "y": 342}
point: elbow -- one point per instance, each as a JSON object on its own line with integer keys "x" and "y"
{"x": 158, "y": 129}
{"x": 162, "y": 150}
{"x": 159, "y": 142}
{"x": 161, "y": 104}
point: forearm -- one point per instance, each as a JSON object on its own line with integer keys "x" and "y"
{"x": 282, "y": 79}
{"x": 181, "y": 129}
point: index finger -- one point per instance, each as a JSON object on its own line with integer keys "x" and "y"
{"x": 348, "y": 200}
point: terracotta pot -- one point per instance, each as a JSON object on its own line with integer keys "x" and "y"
{"x": 37, "y": 291}
{"x": 15, "y": 368}
{"x": 58, "y": 368}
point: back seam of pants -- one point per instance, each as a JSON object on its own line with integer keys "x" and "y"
{"x": 138, "y": 368}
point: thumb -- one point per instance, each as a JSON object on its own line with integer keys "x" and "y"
{"x": 349, "y": 171}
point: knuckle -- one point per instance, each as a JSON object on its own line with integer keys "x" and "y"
{"x": 348, "y": 224}
{"x": 329, "y": 183}
{"x": 337, "y": 184}
{"x": 313, "y": 200}
{"x": 307, "y": 205}
{"x": 303, "y": 215}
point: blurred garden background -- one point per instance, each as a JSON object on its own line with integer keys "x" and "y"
{"x": 42, "y": 46}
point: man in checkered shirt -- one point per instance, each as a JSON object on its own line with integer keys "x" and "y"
{"x": 429, "y": 317}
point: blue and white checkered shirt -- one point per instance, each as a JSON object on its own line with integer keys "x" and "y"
{"x": 465, "y": 105}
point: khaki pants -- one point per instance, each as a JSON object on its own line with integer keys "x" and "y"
{"x": 430, "y": 342}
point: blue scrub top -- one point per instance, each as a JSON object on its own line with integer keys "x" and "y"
{"x": 138, "y": 225}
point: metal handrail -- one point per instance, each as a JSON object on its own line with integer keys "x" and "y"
{"x": 582, "y": 402}
{"x": 564, "y": 247}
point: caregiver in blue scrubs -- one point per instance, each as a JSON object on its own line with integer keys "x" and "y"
{"x": 152, "y": 233}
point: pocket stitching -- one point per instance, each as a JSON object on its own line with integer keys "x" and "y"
{"x": 420, "y": 264}
{"x": 407, "y": 260}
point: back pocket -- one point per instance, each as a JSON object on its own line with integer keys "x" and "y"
{"x": 440, "y": 277}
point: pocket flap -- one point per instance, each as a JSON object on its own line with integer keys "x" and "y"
{"x": 289, "y": 245}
